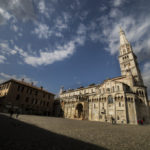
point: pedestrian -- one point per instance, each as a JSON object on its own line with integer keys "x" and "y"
{"x": 11, "y": 113}
{"x": 142, "y": 122}
{"x": 112, "y": 120}
{"x": 143, "y": 119}
{"x": 17, "y": 113}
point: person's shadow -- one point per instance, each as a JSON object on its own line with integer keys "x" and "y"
{"x": 17, "y": 135}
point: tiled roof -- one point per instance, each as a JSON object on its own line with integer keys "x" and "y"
{"x": 27, "y": 84}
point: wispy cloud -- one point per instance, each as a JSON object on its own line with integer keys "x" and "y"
{"x": 117, "y": 3}
{"x": 5, "y": 48}
{"x": 60, "y": 25}
{"x": 14, "y": 28}
{"x": 136, "y": 29}
{"x": 42, "y": 31}
{"x": 2, "y": 59}
{"x": 81, "y": 29}
{"x": 44, "y": 57}
{"x": 44, "y": 10}
{"x": 20, "y": 9}
{"x": 4, "y": 16}
{"x": 4, "y": 77}
{"x": 146, "y": 76}
{"x": 60, "y": 53}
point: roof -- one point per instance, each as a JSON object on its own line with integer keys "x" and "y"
{"x": 27, "y": 84}
{"x": 95, "y": 85}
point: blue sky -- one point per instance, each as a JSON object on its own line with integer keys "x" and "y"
{"x": 70, "y": 42}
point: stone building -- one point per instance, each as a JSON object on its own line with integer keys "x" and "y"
{"x": 123, "y": 98}
{"x": 25, "y": 97}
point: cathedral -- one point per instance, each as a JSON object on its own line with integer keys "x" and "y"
{"x": 122, "y": 98}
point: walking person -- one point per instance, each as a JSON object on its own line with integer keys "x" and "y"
{"x": 17, "y": 113}
{"x": 142, "y": 122}
{"x": 112, "y": 120}
{"x": 11, "y": 112}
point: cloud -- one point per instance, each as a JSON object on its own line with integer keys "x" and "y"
{"x": 14, "y": 28}
{"x": 60, "y": 25}
{"x": 146, "y": 76}
{"x": 4, "y": 77}
{"x": 136, "y": 30}
{"x": 117, "y": 3}
{"x": 4, "y": 16}
{"x": 2, "y": 59}
{"x": 60, "y": 53}
{"x": 16, "y": 9}
{"x": 46, "y": 58}
{"x": 102, "y": 8}
{"x": 42, "y": 31}
{"x": 43, "y": 9}
{"x": 81, "y": 29}
{"x": 5, "y": 48}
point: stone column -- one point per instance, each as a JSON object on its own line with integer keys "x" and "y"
{"x": 135, "y": 114}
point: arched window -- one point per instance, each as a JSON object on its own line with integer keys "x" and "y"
{"x": 108, "y": 89}
{"x": 118, "y": 118}
{"x": 118, "y": 88}
{"x": 113, "y": 89}
{"x": 110, "y": 99}
{"x": 119, "y": 104}
{"x": 124, "y": 51}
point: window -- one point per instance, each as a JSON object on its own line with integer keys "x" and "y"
{"x": 32, "y": 102}
{"x": 44, "y": 94}
{"x": 49, "y": 96}
{"x": 18, "y": 87}
{"x": 117, "y": 88}
{"x": 36, "y": 92}
{"x": 36, "y": 101}
{"x": 7, "y": 85}
{"x": 118, "y": 118}
{"x": 103, "y": 90}
{"x": 44, "y": 103}
{"x": 119, "y": 104}
{"x": 18, "y": 97}
{"x": 27, "y": 99}
{"x": 108, "y": 89}
{"x": 27, "y": 90}
{"x": 31, "y": 91}
{"x": 124, "y": 51}
{"x": 113, "y": 89}
{"x": 110, "y": 99}
{"x": 22, "y": 89}
{"x": 40, "y": 102}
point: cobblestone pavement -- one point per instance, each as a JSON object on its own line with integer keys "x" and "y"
{"x": 36, "y": 132}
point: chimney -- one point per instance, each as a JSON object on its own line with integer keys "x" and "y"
{"x": 31, "y": 83}
{"x": 41, "y": 87}
{"x": 22, "y": 79}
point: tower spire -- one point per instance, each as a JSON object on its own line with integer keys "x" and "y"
{"x": 128, "y": 60}
{"x": 123, "y": 39}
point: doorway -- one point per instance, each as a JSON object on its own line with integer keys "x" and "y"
{"x": 79, "y": 109}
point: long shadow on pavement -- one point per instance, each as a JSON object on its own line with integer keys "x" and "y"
{"x": 17, "y": 135}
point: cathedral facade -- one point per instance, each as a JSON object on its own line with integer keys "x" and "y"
{"x": 123, "y": 98}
